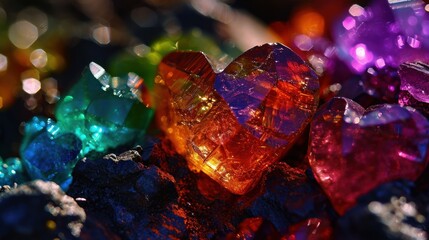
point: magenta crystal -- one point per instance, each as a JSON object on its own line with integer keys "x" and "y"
{"x": 415, "y": 80}
{"x": 353, "y": 150}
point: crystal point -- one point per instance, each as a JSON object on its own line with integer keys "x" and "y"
{"x": 105, "y": 111}
{"x": 234, "y": 123}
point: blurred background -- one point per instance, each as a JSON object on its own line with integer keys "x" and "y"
{"x": 45, "y": 44}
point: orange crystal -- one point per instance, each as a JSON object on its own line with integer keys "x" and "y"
{"x": 233, "y": 124}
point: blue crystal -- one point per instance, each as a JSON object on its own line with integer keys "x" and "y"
{"x": 48, "y": 152}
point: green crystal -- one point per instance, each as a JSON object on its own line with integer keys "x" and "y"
{"x": 105, "y": 111}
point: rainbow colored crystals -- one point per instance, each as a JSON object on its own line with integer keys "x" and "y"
{"x": 353, "y": 150}
{"x": 105, "y": 111}
{"x": 233, "y": 124}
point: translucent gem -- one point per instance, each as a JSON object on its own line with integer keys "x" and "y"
{"x": 105, "y": 111}
{"x": 384, "y": 33}
{"x": 353, "y": 150}
{"x": 232, "y": 125}
{"x": 48, "y": 152}
{"x": 11, "y": 171}
{"x": 415, "y": 80}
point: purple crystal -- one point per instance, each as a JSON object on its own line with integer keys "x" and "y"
{"x": 384, "y": 33}
{"x": 382, "y": 83}
{"x": 415, "y": 80}
{"x": 406, "y": 99}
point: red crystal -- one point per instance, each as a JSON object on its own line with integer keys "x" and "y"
{"x": 353, "y": 150}
{"x": 232, "y": 125}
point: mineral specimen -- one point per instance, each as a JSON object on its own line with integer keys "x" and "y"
{"x": 105, "y": 111}
{"x": 384, "y": 33}
{"x": 352, "y": 150}
{"x": 48, "y": 152}
{"x": 235, "y": 123}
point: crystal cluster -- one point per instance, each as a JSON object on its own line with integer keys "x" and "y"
{"x": 353, "y": 150}
{"x": 235, "y": 123}
{"x": 105, "y": 111}
{"x": 384, "y": 33}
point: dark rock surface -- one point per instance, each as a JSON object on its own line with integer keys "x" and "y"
{"x": 39, "y": 210}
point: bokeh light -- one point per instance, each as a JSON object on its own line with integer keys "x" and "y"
{"x": 23, "y": 34}
{"x": 31, "y": 85}
{"x": 39, "y": 58}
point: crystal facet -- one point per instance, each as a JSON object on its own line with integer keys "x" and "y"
{"x": 48, "y": 152}
{"x": 105, "y": 111}
{"x": 235, "y": 123}
{"x": 353, "y": 150}
{"x": 415, "y": 80}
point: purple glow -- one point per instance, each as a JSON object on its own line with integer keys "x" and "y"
{"x": 349, "y": 23}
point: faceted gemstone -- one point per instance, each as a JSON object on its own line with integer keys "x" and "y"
{"x": 353, "y": 150}
{"x": 11, "y": 171}
{"x": 48, "y": 152}
{"x": 235, "y": 123}
{"x": 384, "y": 33}
{"x": 105, "y": 111}
{"x": 382, "y": 83}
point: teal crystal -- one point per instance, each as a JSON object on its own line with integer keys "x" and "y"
{"x": 49, "y": 152}
{"x": 104, "y": 111}
{"x": 11, "y": 172}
